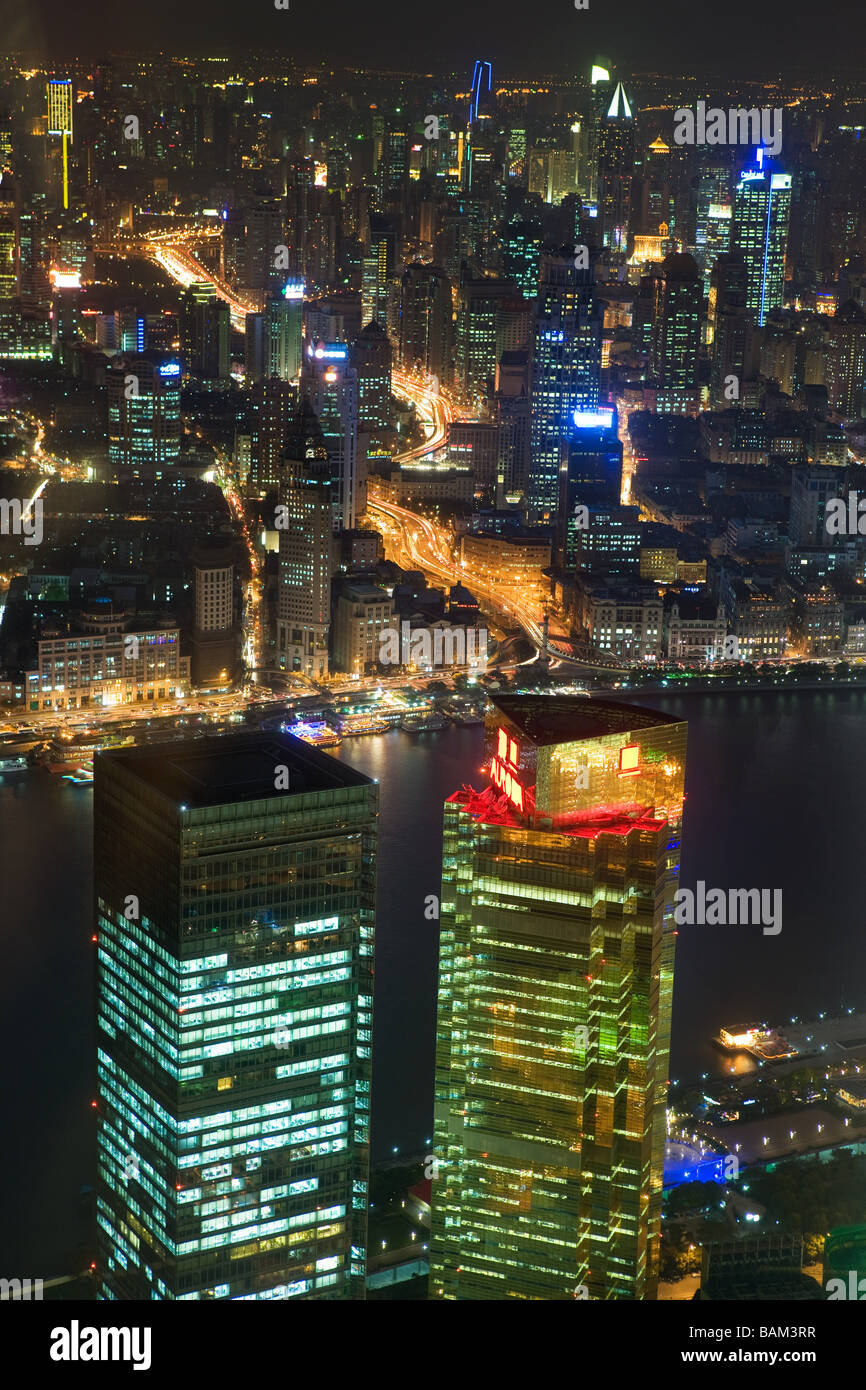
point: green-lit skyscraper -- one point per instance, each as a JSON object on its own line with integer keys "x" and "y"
{"x": 235, "y": 888}
{"x": 555, "y": 984}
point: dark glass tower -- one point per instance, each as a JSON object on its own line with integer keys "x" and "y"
{"x": 235, "y": 893}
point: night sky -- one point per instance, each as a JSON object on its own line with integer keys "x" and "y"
{"x": 746, "y": 38}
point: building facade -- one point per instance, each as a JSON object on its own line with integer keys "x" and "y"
{"x": 555, "y": 985}
{"x": 234, "y": 928}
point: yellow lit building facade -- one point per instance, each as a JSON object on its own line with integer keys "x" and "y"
{"x": 555, "y": 984}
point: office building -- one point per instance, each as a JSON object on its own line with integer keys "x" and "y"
{"x": 370, "y": 357}
{"x": 271, "y": 402}
{"x": 330, "y": 386}
{"x": 675, "y": 343}
{"x": 235, "y": 897}
{"x": 215, "y": 637}
{"x": 305, "y": 524}
{"x": 759, "y": 231}
{"x": 284, "y": 327}
{"x": 361, "y": 613}
{"x": 566, "y": 370}
{"x": 425, "y": 321}
{"x": 616, "y": 156}
{"x": 205, "y": 332}
{"x": 555, "y": 984}
{"x": 590, "y": 474}
{"x": 103, "y": 660}
{"x": 144, "y": 429}
{"x": 513, "y": 414}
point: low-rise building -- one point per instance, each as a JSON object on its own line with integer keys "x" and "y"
{"x": 106, "y": 661}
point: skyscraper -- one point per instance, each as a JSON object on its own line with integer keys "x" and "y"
{"x": 616, "y": 151}
{"x": 728, "y": 328}
{"x": 235, "y": 896}
{"x": 144, "y": 427}
{"x": 215, "y": 632}
{"x": 566, "y": 369}
{"x": 762, "y": 207}
{"x": 590, "y": 475}
{"x": 370, "y": 355}
{"x": 305, "y": 525}
{"x": 330, "y": 385}
{"x": 205, "y": 332}
{"x": 555, "y": 983}
{"x": 60, "y": 105}
{"x": 284, "y": 330}
{"x": 270, "y": 409}
{"x": 425, "y": 320}
{"x": 675, "y": 342}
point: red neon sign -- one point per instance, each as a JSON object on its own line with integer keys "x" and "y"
{"x": 504, "y": 767}
{"x": 508, "y": 783}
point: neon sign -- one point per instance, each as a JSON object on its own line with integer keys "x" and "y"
{"x": 503, "y": 768}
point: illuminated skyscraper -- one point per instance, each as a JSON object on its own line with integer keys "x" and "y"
{"x": 305, "y": 526}
{"x": 271, "y": 402}
{"x": 616, "y": 151}
{"x": 284, "y": 330}
{"x": 425, "y": 320}
{"x": 522, "y": 255}
{"x": 330, "y": 385}
{"x": 566, "y": 370}
{"x": 59, "y": 93}
{"x": 235, "y": 896}
{"x": 675, "y": 342}
{"x": 481, "y": 99}
{"x": 762, "y": 208}
{"x": 205, "y": 332}
{"x": 60, "y": 103}
{"x": 144, "y": 428}
{"x": 370, "y": 355}
{"x": 555, "y": 983}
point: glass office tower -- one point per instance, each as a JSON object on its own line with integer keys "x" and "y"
{"x": 555, "y": 983}
{"x": 235, "y": 884}
{"x": 759, "y": 231}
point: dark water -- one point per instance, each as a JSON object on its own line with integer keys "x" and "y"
{"x": 775, "y": 790}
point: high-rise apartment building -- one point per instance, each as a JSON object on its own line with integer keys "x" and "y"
{"x": 555, "y": 984}
{"x": 235, "y": 896}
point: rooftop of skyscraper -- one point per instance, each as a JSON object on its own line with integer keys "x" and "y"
{"x": 234, "y": 767}
{"x": 547, "y": 719}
